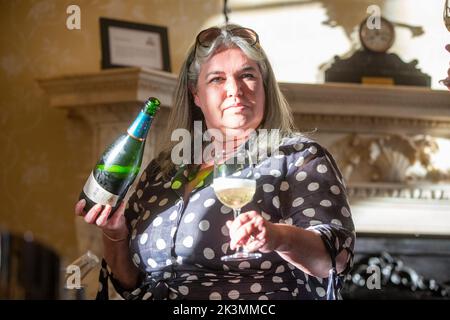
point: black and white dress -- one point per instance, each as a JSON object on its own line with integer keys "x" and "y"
{"x": 177, "y": 245}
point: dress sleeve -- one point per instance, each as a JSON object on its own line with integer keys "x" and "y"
{"x": 132, "y": 212}
{"x": 314, "y": 197}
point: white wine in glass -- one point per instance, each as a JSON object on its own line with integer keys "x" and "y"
{"x": 235, "y": 186}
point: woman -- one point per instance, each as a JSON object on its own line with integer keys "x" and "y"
{"x": 167, "y": 242}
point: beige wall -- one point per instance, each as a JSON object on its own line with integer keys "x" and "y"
{"x": 43, "y": 163}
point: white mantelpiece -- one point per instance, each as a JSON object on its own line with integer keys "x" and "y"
{"x": 109, "y": 99}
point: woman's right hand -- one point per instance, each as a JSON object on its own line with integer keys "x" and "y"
{"x": 115, "y": 227}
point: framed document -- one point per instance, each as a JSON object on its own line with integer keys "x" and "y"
{"x": 129, "y": 44}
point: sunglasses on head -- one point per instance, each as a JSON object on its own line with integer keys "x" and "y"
{"x": 206, "y": 37}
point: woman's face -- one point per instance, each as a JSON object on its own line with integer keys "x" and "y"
{"x": 230, "y": 92}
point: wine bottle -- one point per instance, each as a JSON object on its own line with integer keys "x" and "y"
{"x": 120, "y": 162}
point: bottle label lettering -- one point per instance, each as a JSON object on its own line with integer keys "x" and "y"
{"x": 94, "y": 191}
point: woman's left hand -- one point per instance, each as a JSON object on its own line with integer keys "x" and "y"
{"x": 254, "y": 232}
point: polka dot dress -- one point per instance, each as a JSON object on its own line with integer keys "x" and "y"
{"x": 177, "y": 244}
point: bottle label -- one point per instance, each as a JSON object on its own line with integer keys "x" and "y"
{"x": 94, "y": 191}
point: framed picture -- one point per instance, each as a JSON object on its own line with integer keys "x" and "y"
{"x": 129, "y": 44}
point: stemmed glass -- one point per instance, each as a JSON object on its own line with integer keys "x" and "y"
{"x": 235, "y": 185}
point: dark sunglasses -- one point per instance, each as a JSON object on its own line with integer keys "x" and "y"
{"x": 206, "y": 37}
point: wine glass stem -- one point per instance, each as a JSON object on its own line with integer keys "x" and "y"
{"x": 237, "y": 212}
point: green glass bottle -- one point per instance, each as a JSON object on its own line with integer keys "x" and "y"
{"x": 120, "y": 162}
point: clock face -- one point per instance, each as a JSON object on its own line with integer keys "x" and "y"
{"x": 377, "y": 39}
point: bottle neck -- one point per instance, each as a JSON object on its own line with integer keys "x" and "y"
{"x": 140, "y": 126}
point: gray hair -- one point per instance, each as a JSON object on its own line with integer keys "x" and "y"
{"x": 277, "y": 113}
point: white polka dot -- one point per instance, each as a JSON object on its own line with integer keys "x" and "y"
{"x": 310, "y": 212}
{"x": 133, "y": 223}
{"x": 321, "y": 168}
{"x": 299, "y": 162}
{"x": 192, "y": 277}
{"x": 207, "y": 284}
{"x": 255, "y": 288}
{"x": 144, "y": 176}
{"x": 225, "y": 209}
{"x": 265, "y": 215}
{"x": 348, "y": 242}
{"x": 345, "y": 212}
{"x": 147, "y": 296}
{"x": 233, "y": 294}
{"x": 143, "y": 238}
{"x": 325, "y": 203}
{"x": 314, "y": 222}
{"x": 257, "y": 175}
{"x": 320, "y": 291}
{"x": 173, "y": 215}
{"x": 158, "y": 176}
{"x": 133, "y": 234}
{"x": 297, "y": 202}
{"x": 284, "y": 186}
{"x": 208, "y": 203}
{"x": 275, "y": 173}
{"x": 335, "y": 190}
{"x": 276, "y": 202}
{"x": 139, "y": 193}
{"x": 136, "y": 292}
{"x": 268, "y": 187}
{"x": 169, "y": 262}
{"x": 266, "y": 265}
{"x": 167, "y": 185}
{"x": 209, "y": 253}
{"x": 234, "y": 281}
{"x": 163, "y": 202}
{"x": 152, "y": 263}
{"x": 136, "y": 259}
{"x": 172, "y": 231}
{"x": 225, "y": 231}
{"x": 146, "y": 215}
{"x": 277, "y": 279}
{"x": 152, "y": 199}
{"x": 179, "y": 260}
{"x": 183, "y": 290}
{"x": 160, "y": 244}
{"x": 237, "y": 173}
{"x": 215, "y": 296}
{"x": 298, "y": 146}
{"x": 225, "y": 247}
{"x": 189, "y": 217}
{"x": 263, "y": 297}
{"x": 280, "y": 269}
{"x": 203, "y": 225}
{"x": 288, "y": 221}
{"x": 157, "y": 221}
{"x": 244, "y": 265}
{"x": 313, "y": 186}
{"x": 337, "y": 222}
{"x": 312, "y": 149}
{"x": 194, "y": 197}
{"x": 188, "y": 241}
{"x": 225, "y": 267}
{"x": 300, "y": 176}
{"x": 136, "y": 207}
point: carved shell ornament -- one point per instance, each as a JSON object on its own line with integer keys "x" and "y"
{"x": 386, "y": 158}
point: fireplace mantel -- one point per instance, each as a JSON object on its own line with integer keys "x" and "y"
{"x": 109, "y": 99}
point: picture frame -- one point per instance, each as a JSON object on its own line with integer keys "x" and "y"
{"x": 131, "y": 44}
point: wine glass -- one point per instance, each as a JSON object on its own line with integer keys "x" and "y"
{"x": 235, "y": 185}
